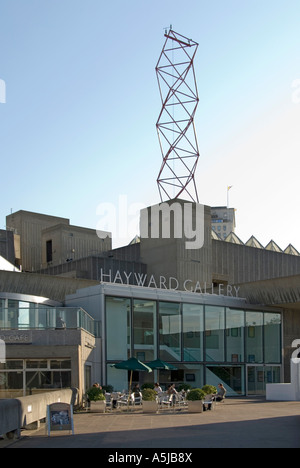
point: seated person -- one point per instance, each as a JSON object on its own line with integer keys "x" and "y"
{"x": 157, "y": 388}
{"x": 136, "y": 390}
{"x": 136, "y": 394}
{"x": 172, "y": 392}
{"x": 220, "y": 396}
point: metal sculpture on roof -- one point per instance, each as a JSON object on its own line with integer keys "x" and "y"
{"x": 175, "y": 126}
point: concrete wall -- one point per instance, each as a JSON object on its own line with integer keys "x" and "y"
{"x": 20, "y": 412}
{"x": 77, "y": 345}
{"x": 29, "y": 226}
{"x": 51, "y": 287}
{"x": 277, "y": 291}
{"x": 171, "y": 257}
{"x": 241, "y": 264}
{"x": 7, "y": 249}
{"x": 10, "y": 416}
{"x": 91, "y": 267}
{"x": 217, "y": 261}
{"x": 71, "y": 243}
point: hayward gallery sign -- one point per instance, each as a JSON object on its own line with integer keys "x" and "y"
{"x": 171, "y": 284}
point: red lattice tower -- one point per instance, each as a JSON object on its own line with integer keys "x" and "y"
{"x": 175, "y": 126}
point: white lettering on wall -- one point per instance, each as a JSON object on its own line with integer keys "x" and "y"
{"x": 171, "y": 284}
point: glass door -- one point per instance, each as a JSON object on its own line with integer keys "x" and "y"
{"x": 255, "y": 380}
{"x": 259, "y": 376}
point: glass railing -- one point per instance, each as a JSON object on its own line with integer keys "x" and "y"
{"x": 48, "y": 318}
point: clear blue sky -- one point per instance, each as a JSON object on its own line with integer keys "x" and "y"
{"x": 78, "y": 125}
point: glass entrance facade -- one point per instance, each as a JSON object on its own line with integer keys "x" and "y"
{"x": 207, "y": 343}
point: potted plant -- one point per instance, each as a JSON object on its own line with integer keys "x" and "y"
{"x": 209, "y": 389}
{"x": 149, "y": 400}
{"x": 148, "y": 385}
{"x": 209, "y": 402}
{"x": 195, "y": 400}
{"x": 97, "y": 400}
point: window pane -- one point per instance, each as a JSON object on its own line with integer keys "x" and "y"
{"x": 11, "y": 384}
{"x": 12, "y": 314}
{"x": 254, "y": 336}
{"x": 169, "y": 331}
{"x": 214, "y": 333}
{"x": 61, "y": 379}
{"x": 3, "y": 321}
{"x": 144, "y": 314}
{"x": 43, "y": 380}
{"x": 118, "y": 319}
{"x": 66, "y": 364}
{"x": 9, "y": 364}
{"x": 272, "y": 374}
{"x": 49, "y": 252}
{"x": 259, "y": 376}
{"x": 117, "y": 378}
{"x": 272, "y": 337}
{"x": 191, "y": 374}
{"x": 36, "y": 364}
{"x": 256, "y": 380}
{"x": 235, "y": 326}
{"x": 24, "y": 317}
{"x": 231, "y": 377}
{"x": 192, "y": 332}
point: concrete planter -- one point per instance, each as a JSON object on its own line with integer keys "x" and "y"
{"x": 195, "y": 406}
{"x": 150, "y": 407}
{"x": 98, "y": 406}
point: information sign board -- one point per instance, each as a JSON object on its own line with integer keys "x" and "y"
{"x": 60, "y": 418}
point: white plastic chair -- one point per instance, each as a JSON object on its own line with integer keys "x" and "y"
{"x": 108, "y": 399}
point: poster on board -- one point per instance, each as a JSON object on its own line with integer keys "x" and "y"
{"x": 60, "y": 418}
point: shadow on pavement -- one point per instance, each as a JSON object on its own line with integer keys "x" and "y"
{"x": 281, "y": 432}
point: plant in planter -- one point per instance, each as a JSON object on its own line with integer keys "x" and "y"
{"x": 149, "y": 400}
{"x": 185, "y": 387}
{"x": 148, "y": 385}
{"x": 209, "y": 389}
{"x": 97, "y": 400}
{"x": 195, "y": 400}
{"x": 209, "y": 402}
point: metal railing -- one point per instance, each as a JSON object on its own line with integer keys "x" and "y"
{"x": 47, "y": 318}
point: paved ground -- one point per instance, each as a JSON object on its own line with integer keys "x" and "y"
{"x": 239, "y": 423}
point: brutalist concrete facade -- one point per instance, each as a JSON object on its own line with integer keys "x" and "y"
{"x": 216, "y": 262}
{"x": 7, "y": 249}
{"x": 76, "y": 346}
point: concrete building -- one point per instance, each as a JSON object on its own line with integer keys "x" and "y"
{"x": 63, "y": 244}
{"x": 47, "y": 346}
{"x": 50, "y": 240}
{"x": 208, "y": 338}
{"x": 218, "y": 261}
{"x": 9, "y": 248}
{"x": 223, "y": 220}
{"x": 216, "y": 309}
